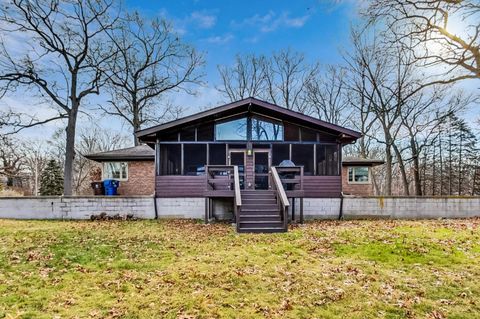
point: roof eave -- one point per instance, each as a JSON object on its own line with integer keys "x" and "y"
{"x": 226, "y": 107}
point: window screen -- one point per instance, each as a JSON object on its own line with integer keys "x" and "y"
{"x": 170, "y": 159}
{"x": 280, "y": 152}
{"x": 194, "y": 159}
{"x": 327, "y": 160}
{"x": 302, "y": 155}
{"x": 217, "y": 154}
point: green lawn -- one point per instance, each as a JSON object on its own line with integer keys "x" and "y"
{"x": 183, "y": 269}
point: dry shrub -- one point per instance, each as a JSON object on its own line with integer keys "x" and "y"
{"x": 10, "y": 193}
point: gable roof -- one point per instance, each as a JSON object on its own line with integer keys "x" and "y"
{"x": 357, "y": 161}
{"x": 136, "y": 153}
{"x": 253, "y": 105}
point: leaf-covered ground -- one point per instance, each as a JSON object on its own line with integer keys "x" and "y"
{"x": 183, "y": 269}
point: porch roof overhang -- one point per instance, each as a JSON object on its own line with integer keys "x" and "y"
{"x": 252, "y": 105}
{"x": 136, "y": 153}
{"x": 356, "y": 161}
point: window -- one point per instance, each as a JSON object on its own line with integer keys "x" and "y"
{"x": 327, "y": 160}
{"x": 170, "y": 159}
{"x": 205, "y": 132}
{"x": 235, "y": 130}
{"x": 359, "y": 175}
{"x": 115, "y": 170}
{"x": 302, "y": 155}
{"x": 291, "y": 132}
{"x": 187, "y": 134}
{"x": 169, "y": 137}
{"x": 266, "y": 130}
{"x": 308, "y": 135}
{"x": 194, "y": 159}
{"x": 217, "y": 154}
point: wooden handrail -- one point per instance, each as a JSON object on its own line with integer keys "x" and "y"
{"x": 238, "y": 196}
{"x": 236, "y": 181}
{"x": 279, "y": 187}
{"x": 282, "y": 196}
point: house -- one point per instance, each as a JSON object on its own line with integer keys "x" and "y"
{"x": 134, "y": 167}
{"x": 357, "y": 177}
{"x": 249, "y": 160}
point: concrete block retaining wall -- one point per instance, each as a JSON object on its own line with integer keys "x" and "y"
{"x": 314, "y": 208}
{"x": 56, "y": 207}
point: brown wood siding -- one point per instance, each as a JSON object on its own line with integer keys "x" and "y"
{"x": 249, "y": 177}
{"x": 322, "y": 186}
{"x": 180, "y": 186}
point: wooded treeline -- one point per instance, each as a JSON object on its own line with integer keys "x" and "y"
{"x": 398, "y": 84}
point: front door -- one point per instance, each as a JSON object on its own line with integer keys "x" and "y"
{"x": 238, "y": 158}
{"x": 261, "y": 160}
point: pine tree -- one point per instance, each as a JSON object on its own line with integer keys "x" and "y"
{"x": 52, "y": 180}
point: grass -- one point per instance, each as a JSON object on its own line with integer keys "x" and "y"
{"x": 183, "y": 269}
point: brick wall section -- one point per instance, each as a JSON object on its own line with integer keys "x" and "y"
{"x": 141, "y": 179}
{"x": 355, "y": 189}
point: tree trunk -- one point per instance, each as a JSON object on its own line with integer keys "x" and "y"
{"x": 70, "y": 149}
{"x": 136, "y": 117}
{"x": 388, "y": 170}
{"x": 136, "y": 141}
{"x": 460, "y": 168}
{"x": 441, "y": 164}
{"x": 450, "y": 164}
{"x": 401, "y": 164}
{"x": 434, "y": 164}
{"x": 416, "y": 176}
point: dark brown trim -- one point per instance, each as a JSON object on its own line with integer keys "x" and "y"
{"x": 248, "y": 102}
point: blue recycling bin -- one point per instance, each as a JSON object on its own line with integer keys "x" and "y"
{"x": 110, "y": 186}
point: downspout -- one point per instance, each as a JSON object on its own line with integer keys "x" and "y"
{"x": 340, "y": 214}
{"x": 155, "y": 204}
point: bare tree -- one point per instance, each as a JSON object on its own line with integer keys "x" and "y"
{"x": 35, "y": 161}
{"x": 62, "y": 63}
{"x": 281, "y": 79}
{"x": 328, "y": 96}
{"x": 246, "y": 78}
{"x": 11, "y": 159}
{"x": 151, "y": 61}
{"x": 288, "y": 75}
{"x": 91, "y": 139}
{"x": 436, "y": 42}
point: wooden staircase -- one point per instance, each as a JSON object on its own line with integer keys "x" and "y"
{"x": 260, "y": 212}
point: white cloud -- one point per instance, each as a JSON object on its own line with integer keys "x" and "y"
{"x": 272, "y": 21}
{"x": 196, "y": 19}
{"x": 203, "y": 20}
{"x": 220, "y": 39}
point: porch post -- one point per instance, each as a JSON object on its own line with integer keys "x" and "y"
{"x": 206, "y": 209}
{"x": 301, "y": 210}
{"x": 293, "y": 209}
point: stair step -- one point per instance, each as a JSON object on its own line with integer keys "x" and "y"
{"x": 265, "y": 218}
{"x": 262, "y": 230}
{"x": 256, "y": 211}
{"x": 260, "y": 223}
{"x": 259, "y": 202}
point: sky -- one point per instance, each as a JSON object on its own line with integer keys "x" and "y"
{"x": 223, "y": 29}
